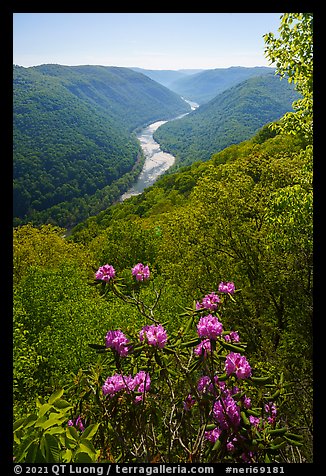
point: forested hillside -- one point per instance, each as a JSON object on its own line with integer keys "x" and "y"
{"x": 166, "y": 76}
{"x": 73, "y": 137}
{"x": 231, "y": 117}
{"x": 176, "y": 327}
{"x": 203, "y": 86}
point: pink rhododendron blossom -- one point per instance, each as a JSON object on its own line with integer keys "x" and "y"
{"x": 155, "y": 335}
{"x": 105, "y": 273}
{"x": 117, "y": 383}
{"x": 227, "y": 413}
{"x": 210, "y": 302}
{"x": 204, "y": 348}
{"x": 271, "y": 409}
{"x": 230, "y": 444}
{"x": 209, "y": 327}
{"x": 117, "y": 341}
{"x": 140, "y": 272}
{"x": 189, "y": 402}
{"x": 254, "y": 421}
{"x": 141, "y": 382}
{"x": 78, "y": 423}
{"x": 246, "y": 401}
{"x": 205, "y": 384}
{"x": 237, "y": 364}
{"x": 213, "y": 435}
{"x": 226, "y": 287}
{"x": 233, "y": 336}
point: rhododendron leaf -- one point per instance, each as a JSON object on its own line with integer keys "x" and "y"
{"x": 191, "y": 343}
{"x": 244, "y": 418}
{"x": 217, "y": 445}
{"x": 168, "y": 350}
{"x": 97, "y": 346}
{"x": 261, "y": 380}
{"x": 210, "y": 426}
{"x": 276, "y": 431}
{"x": 232, "y": 347}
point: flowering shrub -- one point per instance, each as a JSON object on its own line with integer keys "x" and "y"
{"x": 200, "y": 399}
{"x": 160, "y": 394}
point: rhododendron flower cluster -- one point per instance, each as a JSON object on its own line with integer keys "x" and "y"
{"x": 117, "y": 341}
{"x": 226, "y": 287}
{"x": 213, "y": 435}
{"x": 205, "y": 384}
{"x": 204, "y": 348}
{"x": 210, "y": 327}
{"x": 155, "y": 335}
{"x": 105, "y": 273}
{"x": 227, "y": 413}
{"x": 210, "y": 302}
{"x": 140, "y": 272}
{"x": 237, "y": 364}
{"x": 233, "y": 336}
{"x": 140, "y": 383}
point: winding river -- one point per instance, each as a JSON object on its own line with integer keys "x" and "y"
{"x": 156, "y": 161}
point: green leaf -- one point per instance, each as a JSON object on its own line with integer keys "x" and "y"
{"x": 52, "y": 422}
{"x": 30, "y": 420}
{"x": 71, "y": 431}
{"x": 90, "y": 431}
{"x": 44, "y": 408}
{"x": 261, "y": 380}
{"x": 210, "y": 426}
{"x": 56, "y": 395}
{"x": 82, "y": 457}
{"x": 232, "y": 347}
{"x": 53, "y": 449}
{"x": 67, "y": 456}
{"x": 87, "y": 446}
{"x": 62, "y": 404}
{"x": 277, "y": 431}
{"x": 18, "y": 423}
{"x": 217, "y": 445}
{"x": 97, "y": 346}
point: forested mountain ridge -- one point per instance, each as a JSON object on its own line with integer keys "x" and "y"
{"x": 167, "y": 77}
{"x": 231, "y": 117}
{"x": 72, "y": 133}
{"x": 203, "y": 86}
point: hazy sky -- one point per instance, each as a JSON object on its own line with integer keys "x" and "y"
{"x": 146, "y": 40}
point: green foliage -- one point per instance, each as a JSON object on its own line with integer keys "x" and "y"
{"x": 45, "y": 437}
{"x": 292, "y": 52}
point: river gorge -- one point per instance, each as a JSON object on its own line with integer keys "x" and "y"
{"x": 156, "y": 161}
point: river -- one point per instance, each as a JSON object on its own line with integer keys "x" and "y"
{"x": 156, "y": 161}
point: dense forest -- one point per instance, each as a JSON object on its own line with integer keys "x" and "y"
{"x": 203, "y": 86}
{"x": 231, "y": 117}
{"x": 177, "y": 326}
{"x": 74, "y": 147}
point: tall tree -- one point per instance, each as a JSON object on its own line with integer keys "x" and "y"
{"x": 292, "y": 52}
